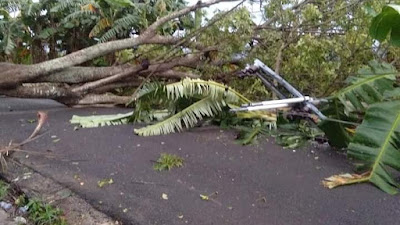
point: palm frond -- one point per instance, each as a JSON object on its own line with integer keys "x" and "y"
{"x": 120, "y": 3}
{"x": 99, "y": 27}
{"x": 101, "y": 120}
{"x": 8, "y": 44}
{"x": 193, "y": 87}
{"x": 122, "y": 25}
{"x": 62, "y": 5}
{"x": 206, "y": 107}
{"x": 78, "y": 15}
{"x": 376, "y": 145}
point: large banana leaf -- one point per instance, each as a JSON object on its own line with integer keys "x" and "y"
{"x": 376, "y": 145}
{"x": 349, "y": 104}
{"x": 367, "y": 87}
{"x": 387, "y": 22}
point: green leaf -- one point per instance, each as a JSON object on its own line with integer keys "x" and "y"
{"x": 385, "y": 23}
{"x": 47, "y": 33}
{"x": 376, "y": 145}
{"x": 368, "y": 87}
{"x": 120, "y": 3}
{"x": 347, "y": 104}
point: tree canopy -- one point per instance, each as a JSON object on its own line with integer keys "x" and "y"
{"x": 74, "y": 49}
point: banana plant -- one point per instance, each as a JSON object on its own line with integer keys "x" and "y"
{"x": 376, "y": 146}
{"x": 370, "y": 86}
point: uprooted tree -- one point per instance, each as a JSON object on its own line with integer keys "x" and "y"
{"x": 61, "y": 79}
{"x": 90, "y": 51}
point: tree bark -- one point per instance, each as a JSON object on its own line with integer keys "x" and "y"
{"x": 61, "y": 79}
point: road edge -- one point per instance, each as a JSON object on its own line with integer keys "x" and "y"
{"x": 77, "y": 211}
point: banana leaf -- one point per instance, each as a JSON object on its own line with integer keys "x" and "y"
{"x": 376, "y": 147}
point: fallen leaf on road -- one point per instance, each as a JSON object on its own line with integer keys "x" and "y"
{"x": 204, "y": 197}
{"x": 164, "y": 196}
{"x": 104, "y": 182}
{"x": 31, "y": 121}
{"x": 343, "y": 179}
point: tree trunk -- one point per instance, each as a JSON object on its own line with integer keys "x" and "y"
{"x": 63, "y": 80}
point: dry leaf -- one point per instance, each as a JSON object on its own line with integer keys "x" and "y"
{"x": 344, "y": 179}
{"x": 104, "y": 182}
{"x": 164, "y": 196}
{"x": 204, "y": 197}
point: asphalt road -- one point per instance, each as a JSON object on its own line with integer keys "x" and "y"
{"x": 262, "y": 184}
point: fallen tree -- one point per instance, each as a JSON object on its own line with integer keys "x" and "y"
{"x": 64, "y": 80}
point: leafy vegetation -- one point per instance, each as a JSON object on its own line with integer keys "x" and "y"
{"x": 4, "y": 188}
{"x": 351, "y": 102}
{"x": 313, "y": 43}
{"x": 185, "y": 102}
{"x": 45, "y": 214}
{"x": 372, "y": 99}
{"x": 376, "y": 146}
{"x": 168, "y": 162}
{"x": 387, "y": 22}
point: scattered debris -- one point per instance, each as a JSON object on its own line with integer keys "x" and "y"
{"x": 104, "y": 182}
{"x": 12, "y": 147}
{"x": 31, "y": 120}
{"x": 20, "y": 220}
{"x": 204, "y": 197}
{"x": 344, "y": 179}
{"x": 5, "y": 205}
{"x": 164, "y": 196}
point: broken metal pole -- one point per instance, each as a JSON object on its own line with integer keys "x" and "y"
{"x": 260, "y": 107}
{"x": 289, "y": 87}
{"x": 270, "y": 86}
{"x": 281, "y": 101}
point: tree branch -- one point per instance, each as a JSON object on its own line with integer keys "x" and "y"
{"x": 12, "y": 78}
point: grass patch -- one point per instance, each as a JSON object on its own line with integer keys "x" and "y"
{"x": 4, "y": 188}
{"x": 45, "y": 214}
{"x": 167, "y": 162}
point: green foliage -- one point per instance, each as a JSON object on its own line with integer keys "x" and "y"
{"x": 350, "y": 103}
{"x": 295, "y": 134}
{"x": 376, "y": 147}
{"x": 202, "y": 98}
{"x": 368, "y": 87}
{"x": 249, "y": 132}
{"x": 168, "y": 162}
{"x": 45, "y": 214}
{"x": 385, "y": 23}
{"x": 4, "y": 188}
